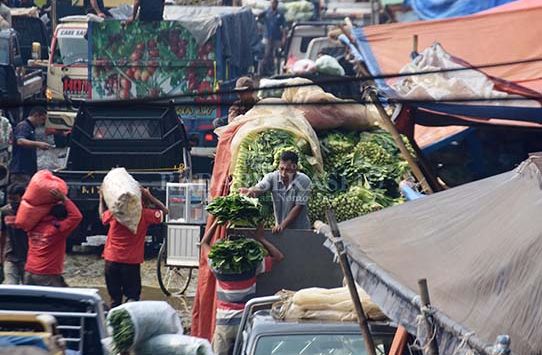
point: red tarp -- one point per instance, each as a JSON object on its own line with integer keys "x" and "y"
{"x": 204, "y": 307}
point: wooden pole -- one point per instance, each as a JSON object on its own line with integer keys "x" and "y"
{"x": 426, "y": 302}
{"x": 390, "y": 127}
{"x": 54, "y": 15}
{"x": 414, "y": 52}
{"x": 347, "y": 272}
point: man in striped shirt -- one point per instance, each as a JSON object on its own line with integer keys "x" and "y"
{"x": 234, "y": 290}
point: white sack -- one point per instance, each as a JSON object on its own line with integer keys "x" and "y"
{"x": 122, "y": 195}
{"x": 172, "y": 344}
{"x": 150, "y": 319}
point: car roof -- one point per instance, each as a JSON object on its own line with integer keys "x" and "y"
{"x": 51, "y": 292}
{"x": 264, "y": 324}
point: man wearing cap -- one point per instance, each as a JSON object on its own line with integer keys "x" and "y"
{"x": 247, "y": 98}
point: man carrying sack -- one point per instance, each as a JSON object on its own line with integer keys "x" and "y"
{"x": 125, "y": 245}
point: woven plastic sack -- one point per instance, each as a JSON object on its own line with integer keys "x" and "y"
{"x": 37, "y": 200}
{"x": 324, "y": 304}
{"x": 122, "y": 195}
{"x": 149, "y": 319}
{"x": 337, "y": 114}
{"x": 304, "y": 66}
{"x": 172, "y": 344}
{"x": 38, "y": 191}
{"x": 326, "y": 64}
{"x": 29, "y": 216}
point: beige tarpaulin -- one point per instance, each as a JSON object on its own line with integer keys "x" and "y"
{"x": 479, "y": 246}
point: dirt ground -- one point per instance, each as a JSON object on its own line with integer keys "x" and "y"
{"x": 87, "y": 271}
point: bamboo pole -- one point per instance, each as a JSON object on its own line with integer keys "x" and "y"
{"x": 390, "y": 127}
{"x": 347, "y": 272}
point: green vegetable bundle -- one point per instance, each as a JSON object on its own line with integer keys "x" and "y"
{"x": 259, "y": 154}
{"x": 236, "y": 256}
{"x": 240, "y": 211}
{"x": 364, "y": 171}
{"x": 123, "y": 330}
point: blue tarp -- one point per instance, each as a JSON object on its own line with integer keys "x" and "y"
{"x": 435, "y": 9}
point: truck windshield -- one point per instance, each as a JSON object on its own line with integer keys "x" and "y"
{"x": 329, "y": 344}
{"x": 69, "y": 50}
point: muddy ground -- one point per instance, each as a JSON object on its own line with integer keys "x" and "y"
{"x": 85, "y": 269}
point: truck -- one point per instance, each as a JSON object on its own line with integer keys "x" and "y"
{"x": 261, "y": 333}
{"x": 79, "y": 313}
{"x": 18, "y": 84}
{"x": 194, "y": 51}
{"x": 149, "y": 141}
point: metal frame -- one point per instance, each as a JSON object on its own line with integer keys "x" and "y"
{"x": 80, "y": 328}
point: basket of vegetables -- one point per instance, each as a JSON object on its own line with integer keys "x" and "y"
{"x": 236, "y": 255}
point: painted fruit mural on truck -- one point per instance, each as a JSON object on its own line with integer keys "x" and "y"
{"x": 149, "y": 59}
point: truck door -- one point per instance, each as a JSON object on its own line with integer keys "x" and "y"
{"x": 68, "y": 65}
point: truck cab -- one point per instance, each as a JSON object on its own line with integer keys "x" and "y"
{"x": 67, "y": 75}
{"x": 261, "y": 333}
{"x": 17, "y": 83}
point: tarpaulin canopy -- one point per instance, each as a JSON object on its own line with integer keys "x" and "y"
{"x": 479, "y": 39}
{"x": 476, "y": 40}
{"x": 479, "y": 246}
{"x": 433, "y": 9}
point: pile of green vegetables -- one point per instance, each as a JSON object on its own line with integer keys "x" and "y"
{"x": 236, "y": 255}
{"x": 123, "y": 330}
{"x": 361, "y": 174}
{"x": 239, "y": 211}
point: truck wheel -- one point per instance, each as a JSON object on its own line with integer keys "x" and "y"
{"x": 173, "y": 280}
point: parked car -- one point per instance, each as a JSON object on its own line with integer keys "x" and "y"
{"x": 260, "y": 333}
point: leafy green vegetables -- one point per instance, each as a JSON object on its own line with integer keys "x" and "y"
{"x": 123, "y": 330}
{"x": 240, "y": 211}
{"x": 362, "y": 171}
{"x": 236, "y": 255}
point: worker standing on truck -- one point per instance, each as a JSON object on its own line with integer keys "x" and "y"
{"x": 233, "y": 291}
{"x": 290, "y": 192}
{"x": 274, "y": 38}
{"x": 24, "y": 162}
{"x": 47, "y": 243}
{"x": 13, "y": 241}
{"x": 148, "y": 10}
{"x": 247, "y": 98}
{"x": 124, "y": 251}
{"x": 96, "y": 7}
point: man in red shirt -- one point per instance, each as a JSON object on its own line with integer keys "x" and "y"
{"x": 47, "y": 243}
{"x": 123, "y": 252}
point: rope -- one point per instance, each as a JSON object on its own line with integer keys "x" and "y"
{"x": 425, "y": 315}
{"x": 463, "y": 344}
